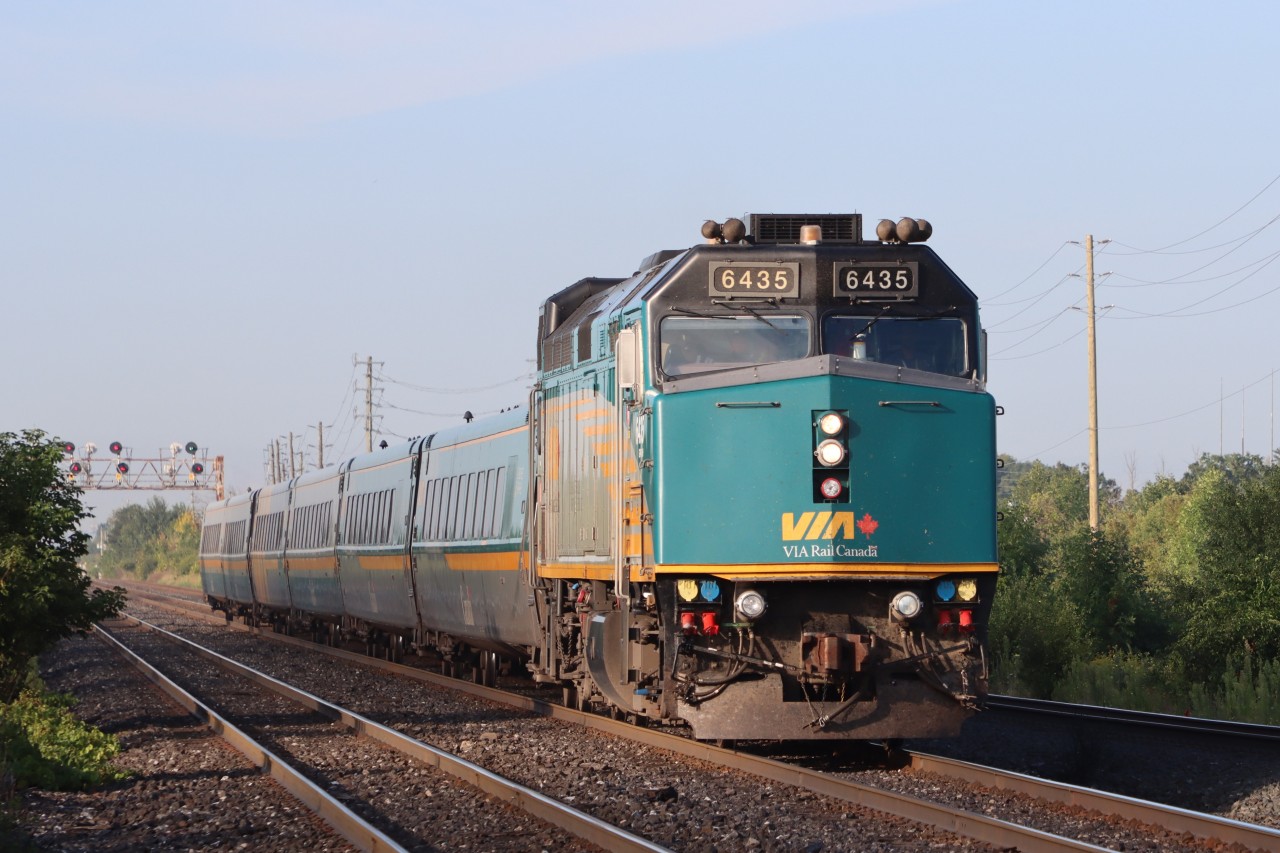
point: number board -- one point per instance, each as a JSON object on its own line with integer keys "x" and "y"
{"x": 877, "y": 280}
{"x": 760, "y": 280}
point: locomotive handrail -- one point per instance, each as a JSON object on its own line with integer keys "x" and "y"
{"x": 933, "y": 403}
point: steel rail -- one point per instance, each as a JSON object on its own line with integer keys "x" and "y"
{"x": 578, "y": 823}
{"x": 1169, "y": 817}
{"x": 345, "y": 822}
{"x": 980, "y": 827}
{"x": 1124, "y": 716}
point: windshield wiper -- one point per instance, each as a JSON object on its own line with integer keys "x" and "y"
{"x": 753, "y": 312}
{"x": 874, "y": 320}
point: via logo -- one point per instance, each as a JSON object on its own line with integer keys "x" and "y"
{"x": 825, "y": 524}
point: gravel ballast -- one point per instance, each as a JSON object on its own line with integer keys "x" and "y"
{"x": 677, "y": 802}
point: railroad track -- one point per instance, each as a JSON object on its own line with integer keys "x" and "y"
{"x": 311, "y": 782}
{"x": 960, "y": 821}
{"x": 1136, "y": 719}
{"x": 313, "y": 797}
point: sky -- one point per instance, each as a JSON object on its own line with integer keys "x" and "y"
{"x": 212, "y": 215}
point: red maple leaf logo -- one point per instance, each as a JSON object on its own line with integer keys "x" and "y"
{"x": 867, "y": 524}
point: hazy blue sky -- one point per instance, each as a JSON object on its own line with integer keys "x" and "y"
{"x": 206, "y": 210}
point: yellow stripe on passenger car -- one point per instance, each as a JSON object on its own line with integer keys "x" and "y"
{"x": 492, "y": 561}
{"x": 312, "y": 563}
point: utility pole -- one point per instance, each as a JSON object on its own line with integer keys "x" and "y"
{"x": 368, "y": 406}
{"x": 368, "y": 401}
{"x": 1093, "y": 388}
{"x": 292, "y": 474}
{"x": 320, "y": 442}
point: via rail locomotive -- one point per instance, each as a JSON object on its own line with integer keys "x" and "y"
{"x": 753, "y": 491}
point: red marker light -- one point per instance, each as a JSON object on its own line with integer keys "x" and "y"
{"x": 966, "y": 621}
{"x": 688, "y": 624}
{"x": 831, "y": 488}
{"x": 944, "y": 621}
{"x": 709, "y": 625}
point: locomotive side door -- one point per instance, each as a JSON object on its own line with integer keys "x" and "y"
{"x": 628, "y": 503}
{"x": 615, "y": 657}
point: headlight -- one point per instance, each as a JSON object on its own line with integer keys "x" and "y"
{"x": 905, "y": 605}
{"x": 749, "y": 604}
{"x": 967, "y": 589}
{"x": 830, "y": 453}
{"x": 831, "y": 423}
{"x": 831, "y": 488}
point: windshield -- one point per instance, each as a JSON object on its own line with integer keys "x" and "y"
{"x": 699, "y": 344}
{"x": 935, "y": 344}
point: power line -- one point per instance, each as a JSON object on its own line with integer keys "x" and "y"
{"x": 1142, "y": 282}
{"x": 1067, "y": 339}
{"x": 1176, "y": 312}
{"x": 351, "y": 384}
{"x": 1226, "y": 218}
{"x": 1029, "y": 275}
{"x": 433, "y": 390}
{"x": 1217, "y": 401}
{"x": 438, "y": 414}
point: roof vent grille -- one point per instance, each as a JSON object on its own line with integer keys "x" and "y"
{"x": 785, "y": 227}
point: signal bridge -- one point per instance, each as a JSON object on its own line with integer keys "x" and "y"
{"x": 181, "y": 470}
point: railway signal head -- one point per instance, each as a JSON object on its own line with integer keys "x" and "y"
{"x": 75, "y": 469}
{"x": 197, "y": 468}
{"x": 192, "y": 447}
{"x": 122, "y": 467}
{"x": 115, "y": 447}
{"x": 68, "y": 448}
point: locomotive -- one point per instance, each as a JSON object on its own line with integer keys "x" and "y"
{"x": 752, "y": 491}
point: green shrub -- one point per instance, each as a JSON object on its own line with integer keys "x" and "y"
{"x": 1250, "y": 693}
{"x": 43, "y": 745}
{"x": 1125, "y": 680}
{"x": 1035, "y": 637}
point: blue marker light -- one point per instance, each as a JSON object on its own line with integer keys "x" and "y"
{"x": 710, "y": 590}
{"x": 946, "y": 590}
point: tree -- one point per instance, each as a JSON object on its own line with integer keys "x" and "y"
{"x": 1237, "y": 468}
{"x": 1098, "y": 575}
{"x": 1036, "y": 636}
{"x": 137, "y": 541}
{"x": 1057, "y": 498}
{"x": 44, "y": 593}
{"x": 1230, "y": 532}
